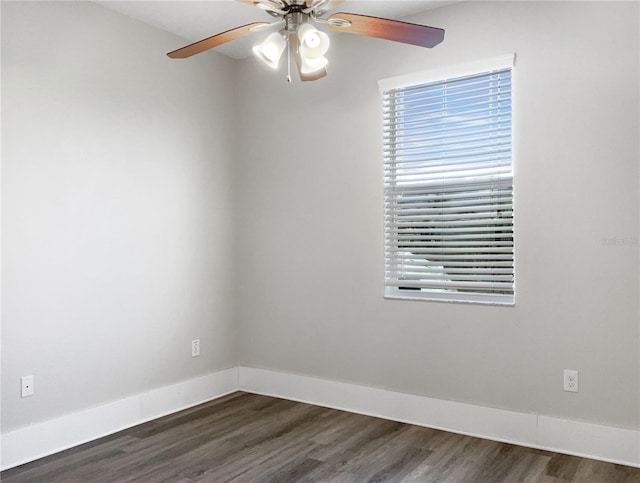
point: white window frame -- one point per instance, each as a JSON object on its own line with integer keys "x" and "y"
{"x": 444, "y": 74}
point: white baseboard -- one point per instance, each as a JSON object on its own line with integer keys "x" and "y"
{"x": 577, "y": 438}
{"x": 603, "y": 443}
{"x": 42, "y": 439}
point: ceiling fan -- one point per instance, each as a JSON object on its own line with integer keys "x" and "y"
{"x": 295, "y": 26}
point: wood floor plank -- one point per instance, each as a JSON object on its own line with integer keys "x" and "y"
{"x": 248, "y": 438}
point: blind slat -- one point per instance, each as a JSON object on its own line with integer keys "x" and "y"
{"x": 504, "y": 286}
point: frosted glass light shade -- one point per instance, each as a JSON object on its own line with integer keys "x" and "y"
{"x": 271, "y": 49}
{"x": 311, "y": 66}
{"x": 313, "y": 43}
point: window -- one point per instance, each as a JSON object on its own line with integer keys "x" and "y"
{"x": 448, "y": 185}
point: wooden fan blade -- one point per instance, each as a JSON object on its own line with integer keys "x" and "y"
{"x": 293, "y": 39}
{"x": 384, "y": 28}
{"x": 214, "y": 41}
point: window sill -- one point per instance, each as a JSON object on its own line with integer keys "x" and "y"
{"x": 449, "y": 297}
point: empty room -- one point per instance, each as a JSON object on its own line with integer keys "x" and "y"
{"x": 320, "y": 241}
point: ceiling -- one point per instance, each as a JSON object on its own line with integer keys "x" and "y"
{"x": 196, "y": 20}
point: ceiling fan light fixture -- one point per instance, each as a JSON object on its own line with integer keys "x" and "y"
{"x": 312, "y": 66}
{"x": 271, "y": 49}
{"x": 313, "y": 43}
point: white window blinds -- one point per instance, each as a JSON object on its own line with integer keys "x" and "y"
{"x": 448, "y": 189}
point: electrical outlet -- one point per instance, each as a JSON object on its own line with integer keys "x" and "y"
{"x": 195, "y": 348}
{"x": 26, "y": 386}
{"x": 570, "y": 380}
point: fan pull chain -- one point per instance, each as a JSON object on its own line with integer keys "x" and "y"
{"x": 288, "y": 58}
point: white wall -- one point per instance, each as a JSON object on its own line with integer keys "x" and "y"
{"x": 311, "y": 238}
{"x": 116, "y": 219}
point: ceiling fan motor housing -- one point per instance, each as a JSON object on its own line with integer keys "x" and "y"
{"x": 294, "y": 18}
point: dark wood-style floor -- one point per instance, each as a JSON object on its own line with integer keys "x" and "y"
{"x": 250, "y": 438}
